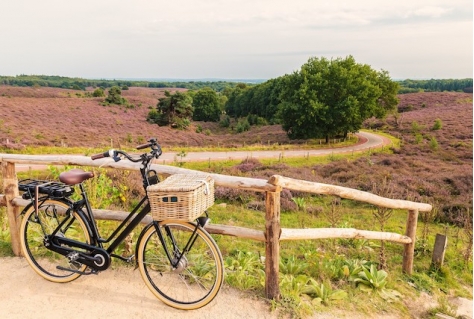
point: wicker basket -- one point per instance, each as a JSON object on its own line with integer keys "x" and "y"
{"x": 181, "y": 196}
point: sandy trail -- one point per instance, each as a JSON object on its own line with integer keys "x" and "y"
{"x": 121, "y": 293}
{"x": 118, "y": 293}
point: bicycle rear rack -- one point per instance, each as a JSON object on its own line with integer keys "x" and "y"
{"x": 32, "y": 188}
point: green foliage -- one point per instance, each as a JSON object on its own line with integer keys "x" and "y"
{"x": 99, "y": 92}
{"x": 244, "y": 270}
{"x": 225, "y": 121}
{"x": 433, "y": 85}
{"x": 181, "y": 123}
{"x": 256, "y": 120}
{"x": 438, "y": 124}
{"x": 322, "y": 293}
{"x": 206, "y": 105}
{"x": 327, "y": 98}
{"x": 371, "y": 278}
{"x": 433, "y": 143}
{"x": 115, "y": 96}
{"x": 293, "y": 266}
{"x": 300, "y": 203}
{"x": 175, "y": 110}
{"x": 101, "y": 190}
{"x": 69, "y": 83}
{"x": 261, "y": 100}
{"x": 415, "y": 127}
{"x": 242, "y": 125}
{"x": 418, "y": 138}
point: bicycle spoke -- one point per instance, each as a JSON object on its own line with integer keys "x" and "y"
{"x": 197, "y": 274}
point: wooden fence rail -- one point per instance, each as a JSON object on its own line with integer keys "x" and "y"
{"x": 273, "y": 233}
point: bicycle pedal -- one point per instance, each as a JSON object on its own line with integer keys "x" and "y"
{"x": 92, "y": 272}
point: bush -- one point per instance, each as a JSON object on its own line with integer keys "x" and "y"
{"x": 99, "y": 92}
{"x": 438, "y": 124}
{"x": 225, "y": 121}
{"x": 243, "y": 125}
{"x": 115, "y": 96}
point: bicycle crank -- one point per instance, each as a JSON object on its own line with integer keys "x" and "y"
{"x": 92, "y": 256}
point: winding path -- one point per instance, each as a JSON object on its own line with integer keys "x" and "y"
{"x": 366, "y": 141}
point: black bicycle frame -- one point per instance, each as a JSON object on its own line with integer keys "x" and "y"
{"x": 118, "y": 233}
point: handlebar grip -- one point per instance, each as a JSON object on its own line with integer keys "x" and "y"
{"x": 102, "y": 155}
{"x": 140, "y": 147}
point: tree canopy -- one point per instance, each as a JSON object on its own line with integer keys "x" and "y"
{"x": 206, "y": 105}
{"x": 333, "y": 97}
{"x": 173, "y": 109}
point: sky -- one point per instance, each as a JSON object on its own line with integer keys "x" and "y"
{"x": 230, "y": 39}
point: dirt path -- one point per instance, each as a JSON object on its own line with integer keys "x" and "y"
{"x": 366, "y": 141}
{"x": 111, "y": 294}
{"x": 121, "y": 293}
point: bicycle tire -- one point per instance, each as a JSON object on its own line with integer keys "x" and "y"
{"x": 199, "y": 276}
{"x": 33, "y": 229}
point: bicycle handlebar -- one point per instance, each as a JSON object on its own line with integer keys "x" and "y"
{"x": 144, "y": 158}
{"x": 102, "y": 155}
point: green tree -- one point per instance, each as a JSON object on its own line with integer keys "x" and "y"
{"x": 334, "y": 97}
{"x": 175, "y": 110}
{"x": 115, "y": 96}
{"x": 206, "y": 105}
{"x": 99, "y": 92}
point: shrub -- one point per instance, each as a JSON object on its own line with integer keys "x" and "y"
{"x": 115, "y": 96}
{"x": 243, "y": 125}
{"x": 433, "y": 143}
{"x": 438, "y": 124}
{"x": 99, "y": 92}
{"x": 225, "y": 121}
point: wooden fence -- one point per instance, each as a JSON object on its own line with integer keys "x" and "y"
{"x": 273, "y": 233}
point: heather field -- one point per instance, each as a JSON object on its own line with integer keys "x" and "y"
{"x": 432, "y": 163}
{"x": 60, "y": 117}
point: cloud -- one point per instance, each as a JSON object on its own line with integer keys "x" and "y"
{"x": 219, "y": 36}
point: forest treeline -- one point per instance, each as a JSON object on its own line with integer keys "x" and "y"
{"x": 406, "y": 86}
{"x": 434, "y": 85}
{"x": 82, "y": 84}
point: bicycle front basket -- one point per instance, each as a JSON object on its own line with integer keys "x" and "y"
{"x": 181, "y": 196}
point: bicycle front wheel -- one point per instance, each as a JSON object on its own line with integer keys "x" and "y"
{"x": 193, "y": 273}
{"x": 34, "y": 228}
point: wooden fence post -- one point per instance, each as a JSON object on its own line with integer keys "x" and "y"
{"x": 409, "y": 250}
{"x": 10, "y": 186}
{"x": 272, "y": 245}
{"x": 439, "y": 250}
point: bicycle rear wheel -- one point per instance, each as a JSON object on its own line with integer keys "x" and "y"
{"x": 34, "y": 228}
{"x": 195, "y": 280}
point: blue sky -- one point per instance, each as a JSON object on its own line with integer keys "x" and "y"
{"x": 244, "y": 39}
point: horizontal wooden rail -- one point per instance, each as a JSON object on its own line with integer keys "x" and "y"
{"x": 244, "y": 183}
{"x": 273, "y": 233}
{"x": 348, "y": 193}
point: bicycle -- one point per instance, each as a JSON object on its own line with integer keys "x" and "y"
{"x": 178, "y": 260}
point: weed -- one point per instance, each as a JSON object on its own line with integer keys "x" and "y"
{"x": 244, "y": 270}
{"x": 322, "y": 293}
